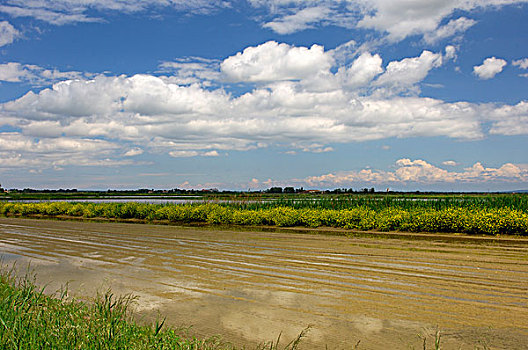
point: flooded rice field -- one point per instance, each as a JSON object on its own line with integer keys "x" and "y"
{"x": 251, "y": 286}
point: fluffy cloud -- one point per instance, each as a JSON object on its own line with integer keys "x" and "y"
{"x": 298, "y": 21}
{"x": 17, "y": 72}
{"x": 409, "y": 71}
{"x": 186, "y": 154}
{"x": 489, "y": 68}
{"x": 509, "y": 120}
{"x": 397, "y": 18}
{"x": 8, "y": 33}
{"x": 522, "y": 63}
{"x": 450, "y": 163}
{"x": 450, "y": 52}
{"x": 362, "y": 71}
{"x": 410, "y": 171}
{"x": 453, "y": 27}
{"x": 13, "y": 72}
{"x": 191, "y": 70}
{"x": 166, "y": 117}
{"x": 402, "y": 18}
{"x": 43, "y": 14}
{"x": 145, "y": 113}
{"x": 136, "y": 151}
{"x": 272, "y": 61}
{"x": 18, "y": 150}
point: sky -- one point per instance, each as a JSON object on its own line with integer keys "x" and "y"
{"x": 412, "y": 95}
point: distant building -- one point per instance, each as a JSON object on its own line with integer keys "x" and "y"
{"x": 209, "y": 190}
{"x": 312, "y": 191}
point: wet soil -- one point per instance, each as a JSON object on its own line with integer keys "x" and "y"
{"x": 387, "y": 291}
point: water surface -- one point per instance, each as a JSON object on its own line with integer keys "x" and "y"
{"x": 250, "y": 286}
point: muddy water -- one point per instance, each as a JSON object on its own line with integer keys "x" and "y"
{"x": 250, "y": 286}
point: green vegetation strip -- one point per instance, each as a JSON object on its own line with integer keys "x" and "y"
{"x": 410, "y": 216}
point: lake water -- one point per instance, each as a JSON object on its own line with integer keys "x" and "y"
{"x": 251, "y": 286}
{"x": 151, "y": 200}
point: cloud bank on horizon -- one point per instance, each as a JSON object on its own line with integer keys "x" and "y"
{"x": 273, "y": 98}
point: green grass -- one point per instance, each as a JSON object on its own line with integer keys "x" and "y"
{"x": 253, "y": 201}
{"x": 31, "y": 319}
{"x": 488, "y": 216}
{"x": 379, "y": 202}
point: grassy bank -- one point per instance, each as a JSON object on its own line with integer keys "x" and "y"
{"x": 30, "y": 319}
{"x": 496, "y": 217}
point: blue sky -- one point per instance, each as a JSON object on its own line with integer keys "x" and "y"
{"x": 400, "y": 94}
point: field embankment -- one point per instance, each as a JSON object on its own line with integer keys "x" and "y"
{"x": 488, "y": 216}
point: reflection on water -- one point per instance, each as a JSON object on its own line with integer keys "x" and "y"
{"x": 6, "y": 257}
{"x": 151, "y": 200}
{"x": 251, "y": 286}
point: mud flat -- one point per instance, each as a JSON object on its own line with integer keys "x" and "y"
{"x": 250, "y": 286}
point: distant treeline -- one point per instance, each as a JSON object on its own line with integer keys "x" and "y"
{"x": 271, "y": 190}
{"x": 189, "y": 191}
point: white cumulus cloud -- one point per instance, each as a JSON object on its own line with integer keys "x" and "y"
{"x": 409, "y": 71}
{"x": 136, "y": 151}
{"x": 17, "y": 150}
{"x": 272, "y": 61}
{"x": 450, "y": 52}
{"x": 13, "y": 72}
{"x": 509, "y": 120}
{"x": 453, "y": 27}
{"x": 157, "y": 114}
{"x": 299, "y": 21}
{"x": 191, "y": 70}
{"x": 489, "y": 68}
{"x": 362, "y": 71}
{"x": 8, "y": 33}
{"x": 420, "y": 171}
{"x": 167, "y": 117}
{"x": 521, "y": 63}
{"x": 38, "y": 76}
{"x": 398, "y": 19}
{"x": 450, "y": 163}
{"x": 402, "y": 18}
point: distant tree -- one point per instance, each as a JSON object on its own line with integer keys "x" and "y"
{"x": 275, "y": 190}
{"x": 289, "y": 190}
